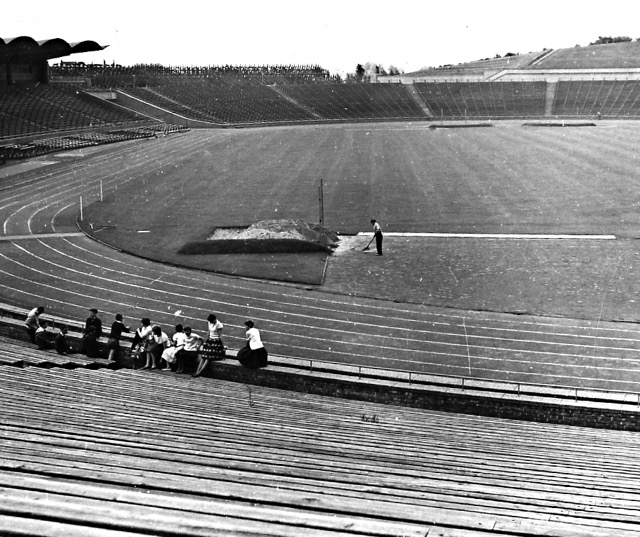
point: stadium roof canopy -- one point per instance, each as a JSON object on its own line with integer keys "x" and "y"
{"x": 26, "y": 48}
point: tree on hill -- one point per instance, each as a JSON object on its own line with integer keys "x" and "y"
{"x": 359, "y": 72}
{"x": 602, "y": 40}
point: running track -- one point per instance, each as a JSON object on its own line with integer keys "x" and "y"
{"x": 43, "y": 259}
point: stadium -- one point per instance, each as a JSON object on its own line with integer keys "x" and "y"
{"x": 479, "y": 378}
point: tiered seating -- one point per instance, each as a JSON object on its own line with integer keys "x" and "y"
{"x": 28, "y": 110}
{"x": 609, "y": 56}
{"x": 19, "y": 353}
{"x": 84, "y": 139}
{"x": 247, "y": 101}
{"x": 484, "y": 99}
{"x": 224, "y": 100}
{"x": 88, "y": 452}
{"x": 355, "y": 101}
{"x": 610, "y": 98}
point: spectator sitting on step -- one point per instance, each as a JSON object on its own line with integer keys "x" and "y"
{"x": 60, "y": 342}
{"x": 32, "y": 322}
{"x": 141, "y": 340}
{"x": 90, "y": 343}
{"x": 213, "y": 348}
{"x": 158, "y": 342}
{"x": 254, "y": 354}
{"x": 192, "y": 344}
{"x": 176, "y": 345}
{"x": 44, "y": 335}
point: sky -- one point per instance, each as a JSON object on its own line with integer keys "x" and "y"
{"x": 334, "y": 34}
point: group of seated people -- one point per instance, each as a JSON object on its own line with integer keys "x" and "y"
{"x": 185, "y": 346}
{"x": 150, "y": 343}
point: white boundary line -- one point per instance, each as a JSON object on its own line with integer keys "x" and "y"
{"x": 516, "y": 236}
{"x": 40, "y": 236}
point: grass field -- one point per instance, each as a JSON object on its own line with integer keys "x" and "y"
{"x": 507, "y": 179}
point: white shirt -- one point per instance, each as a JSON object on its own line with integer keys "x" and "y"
{"x": 215, "y": 330}
{"x": 192, "y": 342}
{"x": 179, "y": 339}
{"x": 33, "y": 318}
{"x": 144, "y": 332}
{"x": 253, "y": 337}
{"x": 162, "y": 339}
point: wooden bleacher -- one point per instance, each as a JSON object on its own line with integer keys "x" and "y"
{"x": 102, "y": 452}
{"x": 22, "y": 354}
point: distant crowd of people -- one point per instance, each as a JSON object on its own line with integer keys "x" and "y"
{"x": 150, "y": 343}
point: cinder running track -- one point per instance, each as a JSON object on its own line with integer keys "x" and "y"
{"x": 44, "y": 260}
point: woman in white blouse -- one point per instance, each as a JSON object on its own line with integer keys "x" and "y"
{"x": 253, "y": 355}
{"x": 213, "y": 348}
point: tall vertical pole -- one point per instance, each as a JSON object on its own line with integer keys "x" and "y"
{"x": 101, "y": 196}
{"x": 81, "y": 215}
{"x": 321, "y": 201}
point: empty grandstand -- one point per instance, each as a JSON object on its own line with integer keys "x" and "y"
{"x": 595, "y": 81}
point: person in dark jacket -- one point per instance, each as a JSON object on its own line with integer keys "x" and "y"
{"x": 90, "y": 343}
{"x": 113, "y": 345}
{"x": 94, "y": 321}
{"x": 60, "y": 343}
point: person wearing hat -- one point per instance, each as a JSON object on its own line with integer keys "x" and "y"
{"x": 253, "y": 355}
{"x": 113, "y": 345}
{"x": 95, "y": 322}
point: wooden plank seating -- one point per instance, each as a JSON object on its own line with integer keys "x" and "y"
{"x": 145, "y": 452}
{"x": 21, "y": 354}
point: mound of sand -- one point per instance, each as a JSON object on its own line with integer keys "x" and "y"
{"x": 280, "y": 229}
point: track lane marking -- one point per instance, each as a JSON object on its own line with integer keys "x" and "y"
{"x": 349, "y": 322}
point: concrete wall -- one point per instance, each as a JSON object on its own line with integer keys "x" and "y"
{"x": 510, "y": 75}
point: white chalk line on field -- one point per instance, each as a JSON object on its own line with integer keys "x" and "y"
{"x": 509, "y": 236}
{"x": 11, "y": 238}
